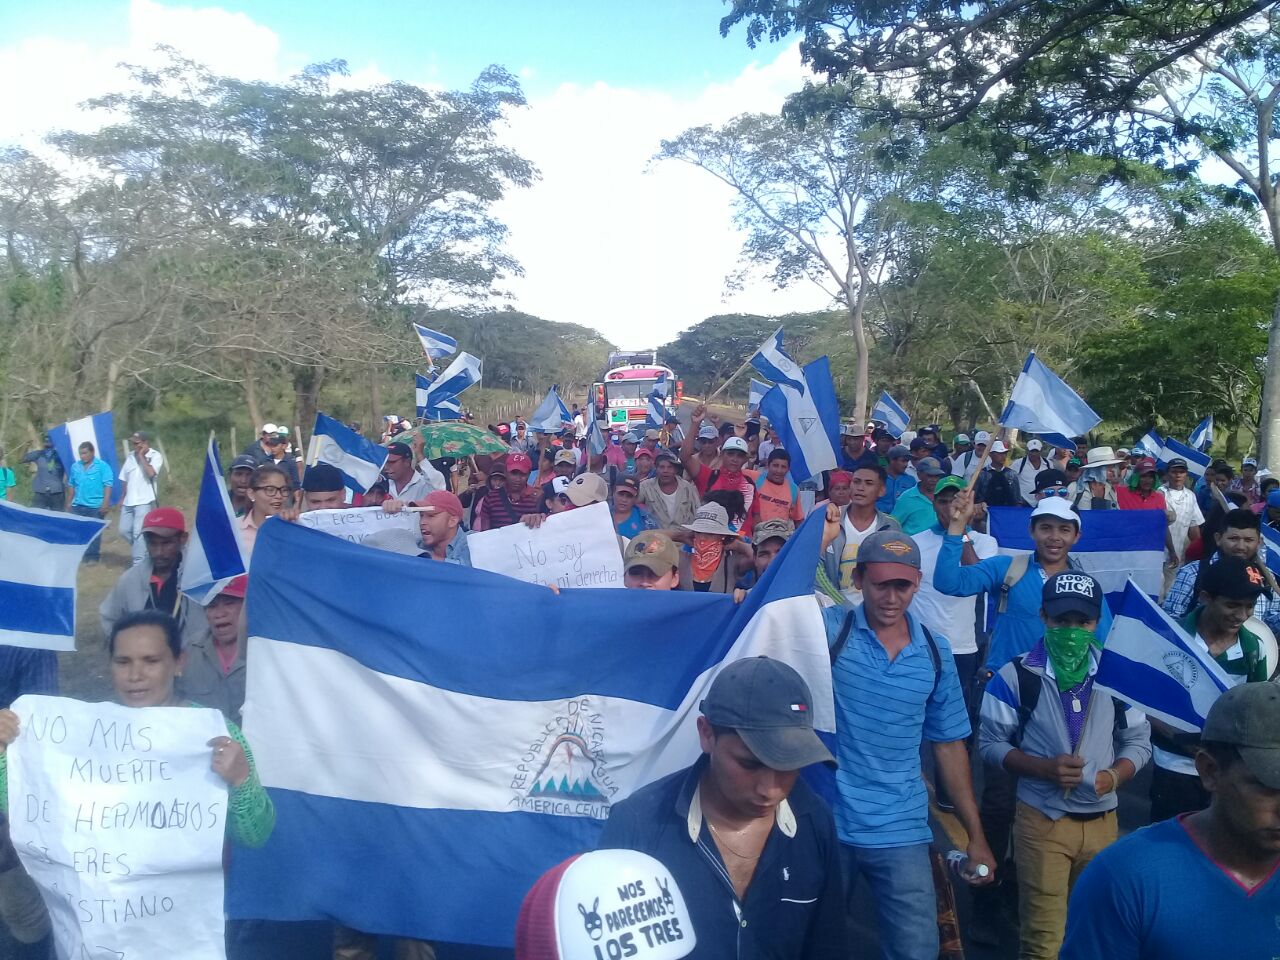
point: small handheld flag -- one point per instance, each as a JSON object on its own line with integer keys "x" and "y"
{"x": 1202, "y": 436}
{"x": 214, "y": 555}
{"x": 1042, "y": 403}
{"x": 551, "y": 415}
{"x": 334, "y": 443}
{"x": 435, "y": 344}
{"x": 890, "y": 413}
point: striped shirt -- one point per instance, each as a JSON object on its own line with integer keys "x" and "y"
{"x": 884, "y": 710}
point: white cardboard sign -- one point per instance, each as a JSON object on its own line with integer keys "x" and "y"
{"x": 119, "y": 819}
{"x": 577, "y": 548}
{"x": 356, "y": 524}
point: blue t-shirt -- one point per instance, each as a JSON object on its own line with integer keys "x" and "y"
{"x": 1155, "y": 895}
{"x": 883, "y": 711}
{"x": 638, "y": 522}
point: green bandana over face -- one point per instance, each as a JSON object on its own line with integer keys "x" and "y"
{"x": 1069, "y": 653}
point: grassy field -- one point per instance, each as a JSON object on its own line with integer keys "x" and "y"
{"x": 83, "y": 674}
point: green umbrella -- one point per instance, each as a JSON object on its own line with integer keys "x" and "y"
{"x": 452, "y": 438}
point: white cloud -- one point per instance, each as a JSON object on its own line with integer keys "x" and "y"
{"x": 638, "y": 255}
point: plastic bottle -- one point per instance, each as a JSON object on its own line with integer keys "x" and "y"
{"x": 958, "y": 861}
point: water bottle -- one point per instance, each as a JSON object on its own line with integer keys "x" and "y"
{"x": 958, "y": 861}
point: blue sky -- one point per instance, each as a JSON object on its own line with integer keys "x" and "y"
{"x": 607, "y": 239}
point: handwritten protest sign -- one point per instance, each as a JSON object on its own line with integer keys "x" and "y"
{"x": 359, "y": 523}
{"x": 119, "y": 820}
{"x": 578, "y": 548}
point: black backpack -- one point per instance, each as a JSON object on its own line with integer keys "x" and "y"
{"x": 1029, "y": 687}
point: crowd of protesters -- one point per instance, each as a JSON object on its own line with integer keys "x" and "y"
{"x": 962, "y": 679}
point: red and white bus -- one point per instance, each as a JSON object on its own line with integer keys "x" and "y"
{"x": 621, "y": 396}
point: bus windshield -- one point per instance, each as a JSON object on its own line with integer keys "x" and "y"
{"x": 628, "y": 389}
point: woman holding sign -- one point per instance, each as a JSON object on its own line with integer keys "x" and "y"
{"x": 146, "y": 657}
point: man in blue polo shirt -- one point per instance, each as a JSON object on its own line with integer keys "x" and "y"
{"x": 752, "y": 847}
{"x": 89, "y": 491}
{"x": 895, "y": 686}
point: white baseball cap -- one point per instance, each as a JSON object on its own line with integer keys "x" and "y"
{"x": 999, "y": 447}
{"x": 981, "y": 437}
{"x": 735, "y": 443}
{"x": 564, "y": 916}
{"x": 1034, "y": 445}
{"x": 1055, "y": 507}
{"x": 270, "y": 428}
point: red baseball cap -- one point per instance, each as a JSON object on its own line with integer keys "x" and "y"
{"x": 519, "y": 461}
{"x": 164, "y": 519}
{"x": 1145, "y": 465}
{"x": 237, "y": 587}
{"x": 440, "y": 501}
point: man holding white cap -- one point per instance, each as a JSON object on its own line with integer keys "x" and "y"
{"x": 753, "y": 847}
{"x": 964, "y": 464}
{"x": 1027, "y": 468}
{"x": 996, "y": 485}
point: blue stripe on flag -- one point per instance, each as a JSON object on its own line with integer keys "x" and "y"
{"x": 31, "y": 609}
{"x": 1197, "y": 462}
{"x": 98, "y": 429}
{"x": 217, "y": 530}
{"x": 1041, "y": 402}
{"x": 647, "y": 660}
{"x": 1271, "y": 539}
{"x": 889, "y": 412}
{"x": 61, "y": 529}
{"x": 775, "y": 363}
{"x": 512, "y": 848}
{"x": 808, "y": 426}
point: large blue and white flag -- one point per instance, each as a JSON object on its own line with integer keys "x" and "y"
{"x": 1271, "y": 548}
{"x": 1197, "y": 462}
{"x": 656, "y": 417}
{"x": 1150, "y": 445}
{"x": 435, "y": 344}
{"x": 551, "y": 415}
{"x": 214, "y": 555}
{"x": 1114, "y": 545}
{"x": 776, "y": 364}
{"x": 888, "y": 412}
{"x": 1042, "y": 403}
{"x": 755, "y": 394}
{"x": 1150, "y": 662}
{"x": 438, "y": 399}
{"x": 40, "y": 552}
{"x": 807, "y": 420}
{"x": 99, "y": 430}
{"x": 360, "y": 460}
{"x": 461, "y": 781}
{"x": 1202, "y": 436}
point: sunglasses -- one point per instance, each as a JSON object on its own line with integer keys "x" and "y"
{"x": 1054, "y": 491}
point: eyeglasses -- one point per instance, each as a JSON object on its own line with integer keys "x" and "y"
{"x": 273, "y": 491}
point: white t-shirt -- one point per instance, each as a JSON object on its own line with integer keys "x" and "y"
{"x": 141, "y": 488}
{"x": 849, "y": 557}
{"x": 953, "y": 617}
{"x": 1026, "y": 472}
{"x": 1187, "y": 514}
{"x": 964, "y": 465}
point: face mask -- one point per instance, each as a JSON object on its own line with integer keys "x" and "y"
{"x": 707, "y": 552}
{"x": 1069, "y": 652}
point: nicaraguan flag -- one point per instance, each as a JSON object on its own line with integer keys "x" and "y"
{"x": 1202, "y": 436}
{"x": 435, "y": 344}
{"x": 1150, "y": 662}
{"x": 1114, "y": 545}
{"x": 1151, "y": 446}
{"x": 99, "y": 430}
{"x": 472, "y": 759}
{"x": 656, "y": 417}
{"x": 776, "y": 364}
{"x": 40, "y": 553}
{"x": 888, "y": 412}
{"x": 214, "y": 555}
{"x": 758, "y": 389}
{"x": 335, "y": 443}
{"x": 438, "y": 398}
{"x": 1197, "y": 462}
{"x": 595, "y": 436}
{"x": 551, "y": 415}
{"x": 807, "y": 419}
{"x": 421, "y": 385}
{"x": 1041, "y": 403}
{"x": 1271, "y": 553}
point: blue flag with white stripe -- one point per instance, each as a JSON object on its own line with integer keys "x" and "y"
{"x": 888, "y": 411}
{"x": 1042, "y": 403}
{"x": 1151, "y": 662}
{"x": 336, "y": 444}
{"x": 435, "y": 344}
{"x": 595, "y": 436}
{"x": 1202, "y": 436}
{"x": 214, "y": 555}
{"x": 551, "y": 415}
{"x": 656, "y": 416}
{"x": 776, "y": 364}
{"x": 1150, "y": 445}
{"x": 99, "y": 430}
{"x": 463, "y": 782}
{"x": 438, "y": 399}
{"x": 756, "y": 393}
{"x": 1197, "y": 462}
{"x": 40, "y": 552}
{"x": 1114, "y": 545}
{"x": 807, "y": 420}
{"x": 1271, "y": 548}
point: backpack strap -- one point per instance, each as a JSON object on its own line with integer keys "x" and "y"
{"x": 845, "y": 629}
{"x": 1029, "y": 686}
{"x": 935, "y": 657}
{"x": 1018, "y": 567}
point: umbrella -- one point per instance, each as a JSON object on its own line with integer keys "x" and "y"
{"x": 452, "y": 438}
